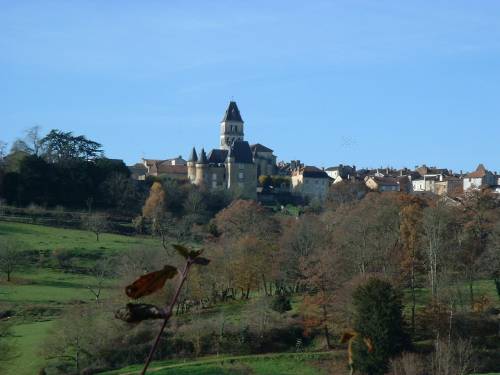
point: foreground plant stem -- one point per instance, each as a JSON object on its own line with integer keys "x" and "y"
{"x": 169, "y": 309}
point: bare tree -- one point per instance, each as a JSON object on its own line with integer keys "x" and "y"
{"x": 435, "y": 225}
{"x": 9, "y": 258}
{"x": 100, "y": 272}
{"x": 408, "y": 364}
{"x": 96, "y": 223}
{"x": 72, "y": 339}
{"x": 452, "y": 358}
{"x": 33, "y": 139}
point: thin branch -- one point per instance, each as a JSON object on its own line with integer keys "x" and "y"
{"x": 168, "y": 313}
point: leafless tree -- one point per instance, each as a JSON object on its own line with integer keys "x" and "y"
{"x": 435, "y": 225}
{"x": 95, "y": 223}
{"x": 452, "y": 358}
{"x": 33, "y": 139}
{"x": 100, "y": 271}
{"x": 408, "y": 364}
{"x": 9, "y": 257}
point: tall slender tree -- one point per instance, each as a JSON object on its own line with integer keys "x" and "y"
{"x": 379, "y": 321}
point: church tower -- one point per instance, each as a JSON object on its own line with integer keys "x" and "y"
{"x": 231, "y": 127}
{"x": 191, "y": 165}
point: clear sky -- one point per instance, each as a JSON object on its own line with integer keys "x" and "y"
{"x": 370, "y": 83}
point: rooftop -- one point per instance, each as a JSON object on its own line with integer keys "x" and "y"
{"x": 232, "y": 113}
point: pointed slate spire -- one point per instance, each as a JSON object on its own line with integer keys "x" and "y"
{"x": 232, "y": 113}
{"x": 194, "y": 156}
{"x": 203, "y": 157}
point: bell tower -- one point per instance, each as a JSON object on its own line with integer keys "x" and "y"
{"x": 231, "y": 127}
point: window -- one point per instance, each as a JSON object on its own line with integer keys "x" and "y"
{"x": 214, "y": 176}
{"x": 214, "y": 184}
{"x": 241, "y": 175}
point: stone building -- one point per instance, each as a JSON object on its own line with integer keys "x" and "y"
{"x": 342, "y": 171}
{"x": 311, "y": 183}
{"x": 481, "y": 177}
{"x": 382, "y": 184}
{"x": 449, "y": 185}
{"x": 235, "y": 165}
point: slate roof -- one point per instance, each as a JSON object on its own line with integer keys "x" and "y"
{"x": 137, "y": 168}
{"x": 241, "y": 152}
{"x": 194, "y": 156}
{"x": 386, "y": 181}
{"x": 260, "y": 148}
{"x": 217, "y": 156}
{"x": 232, "y": 113}
{"x": 203, "y": 157}
{"x": 313, "y": 172}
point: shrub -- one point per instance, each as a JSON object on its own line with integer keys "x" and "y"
{"x": 281, "y": 303}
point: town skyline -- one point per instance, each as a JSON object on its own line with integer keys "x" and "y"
{"x": 327, "y": 84}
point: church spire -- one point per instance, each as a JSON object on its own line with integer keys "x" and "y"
{"x": 194, "y": 156}
{"x": 232, "y": 113}
{"x": 203, "y": 157}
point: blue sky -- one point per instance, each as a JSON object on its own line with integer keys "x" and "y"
{"x": 370, "y": 83}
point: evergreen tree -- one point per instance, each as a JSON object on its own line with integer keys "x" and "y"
{"x": 378, "y": 320}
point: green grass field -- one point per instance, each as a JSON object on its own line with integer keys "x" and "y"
{"x": 40, "y": 290}
{"x": 27, "y": 339}
{"x": 38, "y": 237}
{"x": 261, "y": 364}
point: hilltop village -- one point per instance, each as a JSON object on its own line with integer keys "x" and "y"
{"x": 251, "y": 170}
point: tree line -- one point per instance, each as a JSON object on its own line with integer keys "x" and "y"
{"x": 301, "y": 279}
{"x": 63, "y": 169}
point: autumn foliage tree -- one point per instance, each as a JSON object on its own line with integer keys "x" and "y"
{"x": 154, "y": 210}
{"x": 477, "y": 228}
{"x": 411, "y": 232}
{"x": 323, "y": 271}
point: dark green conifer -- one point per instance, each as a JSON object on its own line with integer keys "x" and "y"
{"x": 378, "y": 319}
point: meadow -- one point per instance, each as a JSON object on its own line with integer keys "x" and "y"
{"x": 40, "y": 290}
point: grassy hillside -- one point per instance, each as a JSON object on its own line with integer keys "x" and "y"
{"x": 37, "y": 237}
{"x": 41, "y": 290}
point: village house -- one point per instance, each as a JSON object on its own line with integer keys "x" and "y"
{"x": 175, "y": 168}
{"x": 481, "y": 177}
{"x": 382, "y": 184}
{"x": 310, "y": 183}
{"x": 449, "y": 185}
{"x": 428, "y": 177}
{"x": 426, "y": 183}
{"x": 340, "y": 172}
